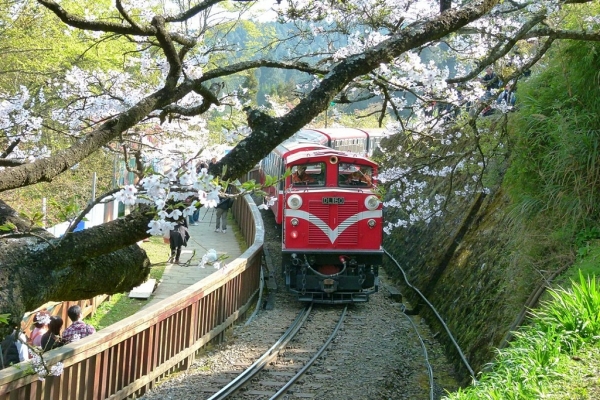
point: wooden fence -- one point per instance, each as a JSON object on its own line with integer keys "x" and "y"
{"x": 88, "y": 307}
{"x": 126, "y": 359}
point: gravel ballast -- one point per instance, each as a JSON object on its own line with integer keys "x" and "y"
{"x": 377, "y": 353}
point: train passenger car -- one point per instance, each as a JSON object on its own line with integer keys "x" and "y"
{"x": 344, "y": 139}
{"x": 375, "y": 137}
{"x": 331, "y": 219}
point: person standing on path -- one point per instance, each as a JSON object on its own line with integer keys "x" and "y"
{"x": 225, "y": 203}
{"x": 195, "y": 216}
{"x": 178, "y": 237}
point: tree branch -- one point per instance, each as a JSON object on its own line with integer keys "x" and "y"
{"x": 170, "y": 52}
{"x": 102, "y": 26}
{"x": 268, "y": 132}
{"x": 498, "y": 51}
{"x": 205, "y": 5}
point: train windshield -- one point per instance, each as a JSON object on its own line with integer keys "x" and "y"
{"x": 350, "y": 174}
{"x": 309, "y": 174}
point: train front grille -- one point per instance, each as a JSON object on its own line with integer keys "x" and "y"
{"x": 323, "y": 217}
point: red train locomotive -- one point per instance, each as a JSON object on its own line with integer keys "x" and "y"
{"x": 331, "y": 219}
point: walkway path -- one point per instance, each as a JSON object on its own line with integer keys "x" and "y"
{"x": 202, "y": 238}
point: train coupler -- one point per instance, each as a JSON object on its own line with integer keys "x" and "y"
{"x": 329, "y": 285}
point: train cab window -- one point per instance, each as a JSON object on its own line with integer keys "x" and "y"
{"x": 308, "y": 174}
{"x": 350, "y": 174}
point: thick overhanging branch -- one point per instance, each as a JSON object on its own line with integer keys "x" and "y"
{"x": 184, "y": 16}
{"x": 46, "y": 169}
{"x": 9, "y": 162}
{"x": 76, "y": 247}
{"x": 564, "y": 34}
{"x": 36, "y": 267}
{"x": 268, "y": 132}
{"x": 105, "y": 26}
{"x": 102, "y": 26}
{"x": 170, "y": 52}
{"x": 246, "y": 65}
{"x": 103, "y": 239}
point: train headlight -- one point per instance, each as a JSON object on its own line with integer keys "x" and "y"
{"x": 294, "y": 222}
{"x": 371, "y": 223}
{"x": 294, "y": 202}
{"x": 372, "y": 202}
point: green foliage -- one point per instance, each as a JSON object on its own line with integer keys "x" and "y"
{"x": 539, "y": 360}
{"x": 49, "y": 47}
{"x": 584, "y": 238}
{"x": 574, "y": 314}
{"x": 67, "y": 211}
{"x": 7, "y": 227}
{"x": 68, "y": 193}
{"x": 4, "y": 319}
{"x": 555, "y": 165}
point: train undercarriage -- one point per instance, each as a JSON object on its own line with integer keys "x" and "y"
{"x": 332, "y": 278}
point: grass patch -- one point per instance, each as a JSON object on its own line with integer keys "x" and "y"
{"x": 119, "y": 307}
{"x": 237, "y": 232}
{"x": 158, "y": 253}
{"x": 555, "y": 357}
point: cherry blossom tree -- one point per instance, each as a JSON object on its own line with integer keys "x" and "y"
{"x": 176, "y": 58}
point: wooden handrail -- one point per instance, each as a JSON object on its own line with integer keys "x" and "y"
{"x": 129, "y": 357}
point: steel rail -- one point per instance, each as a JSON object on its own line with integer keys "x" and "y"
{"x": 259, "y": 364}
{"x": 305, "y": 368}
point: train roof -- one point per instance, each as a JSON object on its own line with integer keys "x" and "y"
{"x": 343, "y": 156}
{"x": 376, "y": 132}
{"x": 307, "y": 136}
{"x": 314, "y": 138}
{"x": 336, "y": 133}
{"x": 289, "y": 147}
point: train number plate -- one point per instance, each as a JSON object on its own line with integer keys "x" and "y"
{"x": 333, "y": 200}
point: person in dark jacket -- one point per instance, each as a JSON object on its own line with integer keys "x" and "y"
{"x": 9, "y": 351}
{"x": 225, "y": 203}
{"x": 52, "y": 339}
{"x": 507, "y": 96}
{"x": 178, "y": 237}
{"x": 490, "y": 80}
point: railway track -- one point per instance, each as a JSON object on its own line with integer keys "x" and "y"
{"x": 283, "y": 364}
{"x": 375, "y": 354}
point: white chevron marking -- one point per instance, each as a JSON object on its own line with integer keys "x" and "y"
{"x": 332, "y": 234}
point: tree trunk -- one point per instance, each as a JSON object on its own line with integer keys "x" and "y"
{"x": 36, "y": 267}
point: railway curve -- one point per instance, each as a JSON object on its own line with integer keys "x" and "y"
{"x": 375, "y": 355}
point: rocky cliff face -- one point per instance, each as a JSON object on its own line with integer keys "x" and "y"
{"x": 469, "y": 266}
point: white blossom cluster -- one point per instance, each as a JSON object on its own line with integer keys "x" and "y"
{"x": 42, "y": 370}
{"x": 421, "y": 185}
{"x": 90, "y": 100}
{"x": 417, "y": 83}
{"x": 159, "y": 190}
